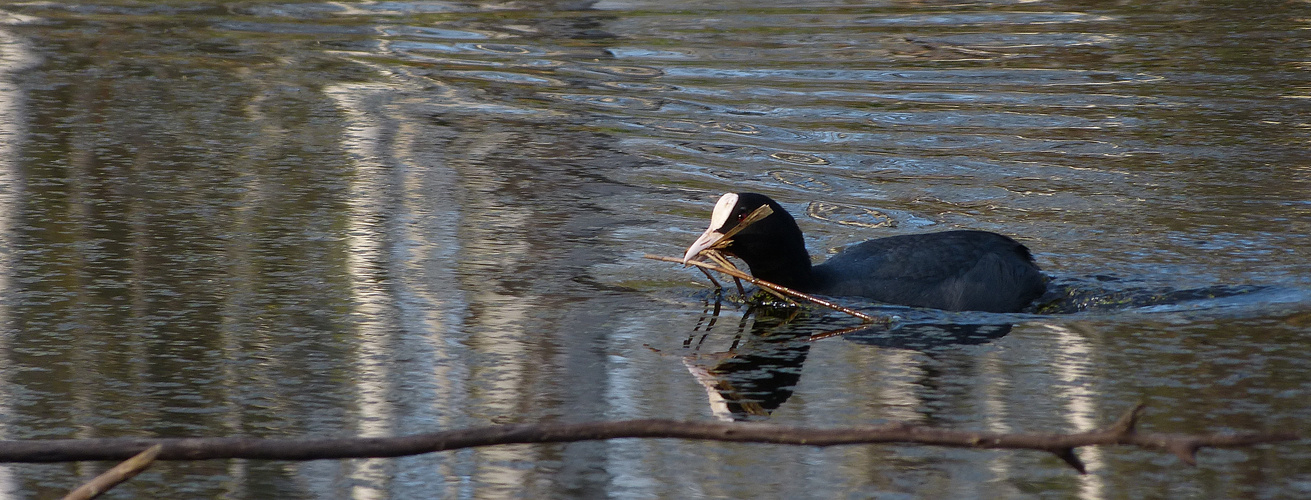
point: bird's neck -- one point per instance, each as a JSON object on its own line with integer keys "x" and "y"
{"x": 785, "y": 263}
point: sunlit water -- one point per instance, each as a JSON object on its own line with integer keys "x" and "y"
{"x": 380, "y": 218}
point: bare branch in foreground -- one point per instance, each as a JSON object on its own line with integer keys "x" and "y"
{"x": 1062, "y": 445}
{"x": 777, "y": 288}
{"x": 119, "y": 473}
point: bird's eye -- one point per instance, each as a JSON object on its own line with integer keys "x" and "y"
{"x": 741, "y": 216}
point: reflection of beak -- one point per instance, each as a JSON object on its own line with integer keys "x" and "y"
{"x": 708, "y": 239}
{"x": 718, "y": 404}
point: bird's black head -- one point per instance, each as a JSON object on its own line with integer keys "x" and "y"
{"x": 771, "y": 246}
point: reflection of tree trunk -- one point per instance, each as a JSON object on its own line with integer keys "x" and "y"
{"x": 422, "y": 196}
{"x": 14, "y": 57}
{"x": 495, "y": 236}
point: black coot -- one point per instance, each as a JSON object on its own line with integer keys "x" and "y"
{"x": 952, "y": 270}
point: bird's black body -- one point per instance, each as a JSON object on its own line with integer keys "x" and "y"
{"x": 952, "y": 270}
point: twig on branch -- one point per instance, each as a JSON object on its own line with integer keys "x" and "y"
{"x": 119, "y": 473}
{"x": 722, "y": 261}
{"x": 1063, "y": 445}
{"x": 736, "y": 273}
{"x": 839, "y": 332}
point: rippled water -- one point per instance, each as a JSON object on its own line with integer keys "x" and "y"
{"x": 378, "y": 218}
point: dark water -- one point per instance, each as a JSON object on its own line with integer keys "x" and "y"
{"x": 321, "y": 219}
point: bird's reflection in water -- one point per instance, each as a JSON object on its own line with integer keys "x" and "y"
{"x": 758, "y": 369}
{"x": 751, "y": 366}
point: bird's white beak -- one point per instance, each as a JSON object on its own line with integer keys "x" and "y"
{"x": 712, "y": 237}
{"x": 707, "y": 239}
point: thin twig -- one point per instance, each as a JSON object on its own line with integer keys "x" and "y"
{"x": 710, "y": 277}
{"x": 839, "y": 332}
{"x": 723, "y": 262}
{"x": 755, "y": 216}
{"x": 777, "y": 288}
{"x": 119, "y": 473}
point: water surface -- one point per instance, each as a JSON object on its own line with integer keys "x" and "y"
{"x": 379, "y": 218}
